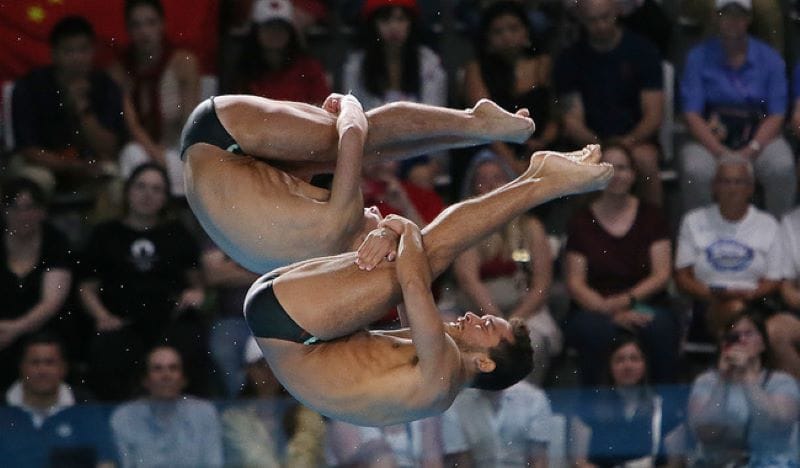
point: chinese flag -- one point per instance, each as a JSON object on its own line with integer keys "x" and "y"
{"x": 25, "y": 27}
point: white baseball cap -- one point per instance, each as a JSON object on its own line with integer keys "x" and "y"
{"x": 745, "y": 4}
{"x": 252, "y": 353}
{"x": 270, "y": 10}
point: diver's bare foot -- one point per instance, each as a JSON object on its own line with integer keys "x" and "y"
{"x": 495, "y": 123}
{"x": 570, "y": 173}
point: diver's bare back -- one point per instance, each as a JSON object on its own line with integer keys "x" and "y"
{"x": 367, "y": 378}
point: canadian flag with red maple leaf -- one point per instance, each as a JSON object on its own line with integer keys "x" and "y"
{"x": 25, "y": 27}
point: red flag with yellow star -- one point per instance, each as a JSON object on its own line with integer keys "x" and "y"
{"x": 25, "y": 27}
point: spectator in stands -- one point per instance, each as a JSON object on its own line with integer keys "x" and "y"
{"x": 43, "y": 426}
{"x": 729, "y": 254}
{"x": 794, "y": 123}
{"x": 513, "y": 72}
{"x": 767, "y": 25}
{"x": 166, "y": 427}
{"x": 162, "y": 86}
{"x": 734, "y": 98}
{"x": 610, "y": 85}
{"x": 383, "y": 189}
{"x": 67, "y": 117}
{"x": 393, "y": 65}
{"x": 508, "y": 428}
{"x": 274, "y": 62}
{"x": 618, "y": 264}
{"x": 625, "y": 423}
{"x": 35, "y": 276}
{"x": 229, "y": 331}
{"x": 139, "y": 274}
{"x": 414, "y": 444}
{"x": 509, "y": 274}
{"x": 269, "y": 428}
{"x": 783, "y": 328}
{"x": 744, "y": 413}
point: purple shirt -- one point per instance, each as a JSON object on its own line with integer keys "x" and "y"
{"x": 709, "y": 81}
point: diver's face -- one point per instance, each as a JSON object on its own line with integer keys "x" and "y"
{"x": 473, "y": 332}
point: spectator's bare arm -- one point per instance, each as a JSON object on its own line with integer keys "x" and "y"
{"x": 791, "y": 293}
{"x": 542, "y": 270}
{"x": 220, "y": 271}
{"x": 574, "y": 119}
{"x": 652, "y": 105}
{"x": 704, "y": 134}
{"x": 689, "y": 284}
{"x": 105, "y": 320}
{"x": 467, "y": 271}
{"x": 660, "y": 271}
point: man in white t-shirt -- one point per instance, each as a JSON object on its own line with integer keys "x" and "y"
{"x": 729, "y": 254}
{"x": 509, "y": 428}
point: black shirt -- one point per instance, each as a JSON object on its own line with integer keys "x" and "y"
{"x": 610, "y": 83}
{"x": 42, "y": 118}
{"x": 20, "y": 294}
{"x": 141, "y": 273}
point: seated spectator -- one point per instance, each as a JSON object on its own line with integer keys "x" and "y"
{"x": 729, "y": 254}
{"x": 618, "y": 264}
{"x": 784, "y": 328}
{"x": 166, "y": 427}
{"x": 274, "y": 62}
{"x": 508, "y": 428}
{"x": 162, "y": 86}
{"x": 35, "y": 276}
{"x": 43, "y": 426}
{"x": 794, "y": 123}
{"x": 734, "y": 98}
{"x": 744, "y": 413}
{"x": 625, "y": 423}
{"x": 509, "y": 274}
{"x": 393, "y": 65}
{"x": 139, "y": 275}
{"x": 229, "y": 331}
{"x": 610, "y": 85}
{"x": 768, "y": 18}
{"x": 270, "y": 429}
{"x": 410, "y": 445}
{"x": 67, "y": 117}
{"x": 515, "y": 73}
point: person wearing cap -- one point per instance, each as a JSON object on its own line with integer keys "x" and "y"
{"x": 162, "y": 85}
{"x": 274, "y": 62}
{"x": 734, "y": 97}
{"x": 248, "y": 160}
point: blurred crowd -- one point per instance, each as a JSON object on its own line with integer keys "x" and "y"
{"x": 664, "y": 310}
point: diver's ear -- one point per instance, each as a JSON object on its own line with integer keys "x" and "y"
{"x": 484, "y": 363}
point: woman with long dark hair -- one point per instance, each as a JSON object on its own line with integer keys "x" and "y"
{"x": 393, "y": 65}
{"x": 162, "y": 86}
{"x": 618, "y": 264}
{"x": 139, "y": 274}
{"x": 510, "y": 70}
{"x": 624, "y": 423}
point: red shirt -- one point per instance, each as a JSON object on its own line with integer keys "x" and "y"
{"x": 302, "y": 81}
